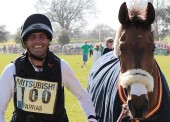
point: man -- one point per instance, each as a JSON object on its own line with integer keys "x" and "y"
{"x": 85, "y": 49}
{"x": 37, "y": 78}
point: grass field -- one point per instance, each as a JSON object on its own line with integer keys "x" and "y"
{"x": 72, "y": 106}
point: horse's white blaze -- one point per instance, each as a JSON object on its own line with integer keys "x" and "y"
{"x": 138, "y": 89}
{"x": 137, "y": 76}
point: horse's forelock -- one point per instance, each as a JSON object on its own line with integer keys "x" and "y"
{"x": 137, "y": 14}
{"x": 137, "y": 8}
{"x": 137, "y": 17}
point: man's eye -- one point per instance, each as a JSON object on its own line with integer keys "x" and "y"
{"x": 43, "y": 37}
{"x": 31, "y": 37}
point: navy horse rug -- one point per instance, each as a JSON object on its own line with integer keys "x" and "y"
{"x": 108, "y": 96}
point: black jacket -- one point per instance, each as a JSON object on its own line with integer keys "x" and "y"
{"x": 38, "y": 96}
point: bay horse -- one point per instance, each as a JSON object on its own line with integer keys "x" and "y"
{"x": 127, "y": 85}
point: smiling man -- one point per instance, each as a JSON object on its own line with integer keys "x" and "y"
{"x": 37, "y": 78}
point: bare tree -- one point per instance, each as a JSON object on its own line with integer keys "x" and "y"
{"x": 63, "y": 37}
{"x": 17, "y": 36}
{"x": 68, "y": 14}
{"x": 3, "y": 33}
{"x": 162, "y": 18}
{"x": 164, "y": 22}
{"x": 150, "y": 1}
{"x": 101, "y": 32}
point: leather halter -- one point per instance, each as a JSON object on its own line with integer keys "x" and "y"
{"x": 123, "y": 96}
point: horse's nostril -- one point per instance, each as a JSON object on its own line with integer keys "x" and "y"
{"x": 138, "y": 108}
{"x": 131, "y": 107}
{"x": 146, "y": 106}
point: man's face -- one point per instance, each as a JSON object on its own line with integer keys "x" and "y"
{"x": 37, "y": 43}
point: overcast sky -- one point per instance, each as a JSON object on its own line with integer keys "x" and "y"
{"x": 14, "y": 12}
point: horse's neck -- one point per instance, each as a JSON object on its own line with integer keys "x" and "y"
{"x": 153, "y": 96}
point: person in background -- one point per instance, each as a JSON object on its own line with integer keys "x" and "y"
{"x": 109, "y": 45}
{"x": 96, "y": 53}
{"x": 37, "y": 78}
{"x": 101, "y": 48}
{"x": 85, "y": 49}
{"x": 91, "y": 50}
{"x": 4, "y": 49}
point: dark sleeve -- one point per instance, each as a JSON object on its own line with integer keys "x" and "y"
{"x": 104, "y": 51}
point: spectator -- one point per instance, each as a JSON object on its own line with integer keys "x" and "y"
{"x": 101, "y": 48}
{"x": 85, "y": 49}
{"x": 4, "y": 49}
{"x": 96, "y": 53}
{"x": 91, "y": 50}
{"x": 109, "y": 45}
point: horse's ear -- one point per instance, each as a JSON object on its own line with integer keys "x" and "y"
{"x": 123, "y": 14}
{"x": 150, "y": 13}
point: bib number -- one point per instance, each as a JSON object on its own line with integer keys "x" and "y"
{"x": 35, "y": 95}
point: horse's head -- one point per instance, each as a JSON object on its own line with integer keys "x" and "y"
{"x": 134, "y": 46}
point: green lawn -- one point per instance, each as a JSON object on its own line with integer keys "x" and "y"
{"x": 72, "y": 106}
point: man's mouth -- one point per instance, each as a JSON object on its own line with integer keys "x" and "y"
{"x": 38, "y": 47}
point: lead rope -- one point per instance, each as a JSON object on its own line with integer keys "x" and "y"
{"x": 125, "y": 112}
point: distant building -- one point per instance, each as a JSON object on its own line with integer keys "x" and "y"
{"x": 162, "y": 48}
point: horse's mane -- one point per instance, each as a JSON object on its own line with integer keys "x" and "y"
{"x": 116, "y": 42}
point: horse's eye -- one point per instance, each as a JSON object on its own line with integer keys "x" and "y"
{"x": 153, "y": 49}
{"x": 122, "y": 48}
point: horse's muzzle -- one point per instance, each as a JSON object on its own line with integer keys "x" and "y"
{"x": 138, "y": 111}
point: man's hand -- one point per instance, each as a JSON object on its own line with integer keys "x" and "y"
{"x": 92, "y": 120}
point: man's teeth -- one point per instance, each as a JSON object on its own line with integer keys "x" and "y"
{"x": 38, "y": 47}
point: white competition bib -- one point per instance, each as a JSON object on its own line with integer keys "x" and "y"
{"x": 36, "y": 95}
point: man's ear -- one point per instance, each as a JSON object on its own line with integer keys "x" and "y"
{"x": 25, "y": 43}
{"x": 49, "y": 43}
